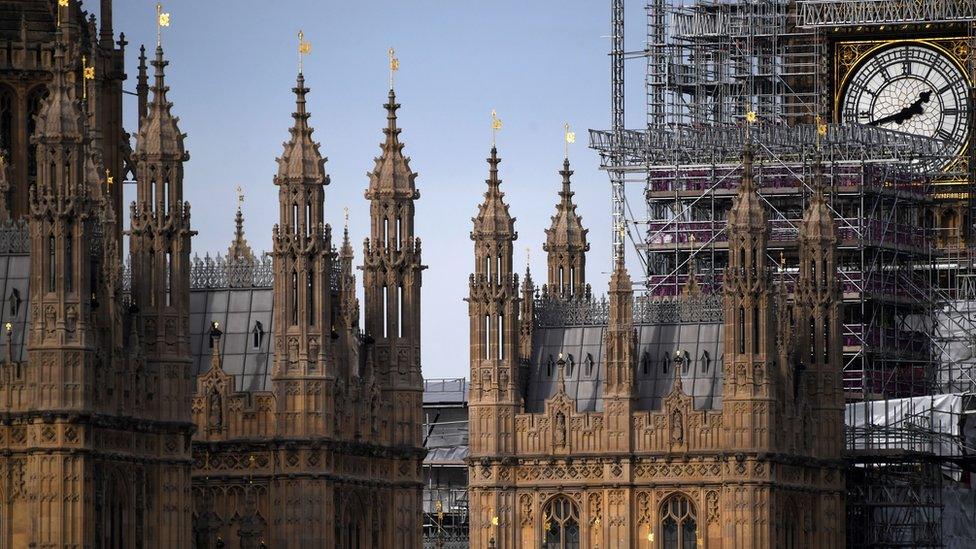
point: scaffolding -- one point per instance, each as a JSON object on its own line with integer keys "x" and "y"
{"x": 707, "y": 63}
{"x": 445, "y": 497}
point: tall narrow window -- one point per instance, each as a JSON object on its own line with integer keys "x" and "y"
{"x": 386, "y": 232}
{"x": 501, "y": 338}
{"x": 823, "y": 273}
{"x": 69, "y": 260}
{"x": 572, "y": 279}
{"x": 310, "y": 297}
{"x": 487, "y": 330}
{"x": 308, "y": 218}
{"x": 6, "y": 121}
{"x": 294, "y": 217}
{"x": 152, "y": 279}
{"x": 562, "y": 280}
{"x": 486, "y": 270}
{"x": 52, "y": 264}
{"x": 165, "y": 189}
{"x": 386, "y": 310}
{"x": 294, "y": 298}
{"x": 826, "y": 340}
{"x": 399, "y": 231}
{"x": 257, "y": 335}
{"x": 169, "y": 278}
{"x": 813, "y": 340}
{"x": 400, "y": 310}
{"x": 755, "y": 329}
{"x": 498, "y": 268}
{"x": 741, "y": 328}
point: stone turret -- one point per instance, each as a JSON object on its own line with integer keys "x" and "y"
{"x": 566, "y": 245}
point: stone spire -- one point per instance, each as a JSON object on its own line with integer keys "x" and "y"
{"x": 619, "y": 337}
{"x": 391, "y": 173}
{"x": 747, "y": 209}
{"x": 239, "y": 249}
{"x": 493, "y": 220}
{"x": 392, "y": 277}
{"x": 818, "y": 219}
{"x": 142, "y": 85}
{"x": 301, "y": 161}
{"x": 566, "y": 244}
{"x": 60, "y": 121}
{"x": 493, "y": 310}
{"x": 302, "y": 262}
{"x": 159, "y": 134}
{"x": 691, "y": 287}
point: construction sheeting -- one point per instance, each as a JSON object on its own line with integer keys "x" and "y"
{"x": 927, "y": 424}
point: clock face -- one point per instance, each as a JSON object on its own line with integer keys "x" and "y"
{"x": 914, "y": 89}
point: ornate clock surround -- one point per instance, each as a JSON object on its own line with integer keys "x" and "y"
{"x": 851, "y": 51}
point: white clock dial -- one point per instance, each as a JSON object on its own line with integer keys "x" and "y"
{"x": 915, "y": 89}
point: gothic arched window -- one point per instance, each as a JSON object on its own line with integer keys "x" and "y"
{"x": 570, "y": 366}
{"x": 560, "y": 520}
{"x": 679, "y": 526}
{"x": 646, "y": 363}
{"x": 666, "y": 362}
{"x": 257, "y": 334}
{"x": 69, "y": 260}
{"x": 813, "y": 340}
{"x": 826, "y": 340}
{"x": 549, "y": 366}
{"x": 706, "y": 361}
{"x": 52, "y": 263}
{"x": 310, "y": 297}
{"x": 755, "y": 330}
{"x": 589, "y": 364}
{"x": 294, "y": 298}
{"x": 742, "y": 330}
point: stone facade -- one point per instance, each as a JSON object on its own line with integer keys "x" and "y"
{"x": 330, "y": 455}
{"x": 761, "y": 469}
{"x": 113, "y": 433}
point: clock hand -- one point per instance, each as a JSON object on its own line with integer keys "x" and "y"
{"x": 906, "y": 113}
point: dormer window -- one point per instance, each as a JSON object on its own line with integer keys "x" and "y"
{"x": 549, "y": 366}
{"x": 570, "y": 365}
{"x": 257, "y": 335}
{"x": 666, "y": 363}
{"x": 589, "y": 365}
{"x": 13, "y": 302}
{"x": 646, "y": 363}
{"x": 706, "y": 361}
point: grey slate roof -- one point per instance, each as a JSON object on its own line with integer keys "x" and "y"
{"x": 663, "y": 327}
{"x": 238, "y": 310}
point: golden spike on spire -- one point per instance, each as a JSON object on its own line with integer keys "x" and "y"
{"x": 496, "y": 124}
{"x": 162, "y": 20}
{"x": 109, "y": 180}
{"x": 394, "y": 65}
{"x": 570, "y": 137}
{"x": 304, "y": 48}
{"x": 528, "y": 254}
{"x": 240, "y": 197}
{"x": 345, "y": 216}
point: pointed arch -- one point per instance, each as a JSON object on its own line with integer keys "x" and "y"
{"x": 560, "y": 523}
{"x": 678, "y": 523}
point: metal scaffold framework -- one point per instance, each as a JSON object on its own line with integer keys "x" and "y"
{"x": 706, "y": 65}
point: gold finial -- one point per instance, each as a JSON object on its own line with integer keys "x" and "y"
{"x": 109, "y": 180}
{"x": 345, "y": 215}
{"x": 394, "y": 65}
{"x": 528, "y": 253}
{"x": 162, "y": 20}
{"x": 240, "y": 197}
{"x": 304, "y": 48}
{"x": 570, "y": 137}
{"x": 496, "y": 124}
{"x": 494, "y": 520}
{"x": 9, "y": 327}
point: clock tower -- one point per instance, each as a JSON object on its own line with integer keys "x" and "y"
{"x": 916, "y": 78}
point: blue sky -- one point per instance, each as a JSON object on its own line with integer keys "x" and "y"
{"x": 540, "y": 64}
